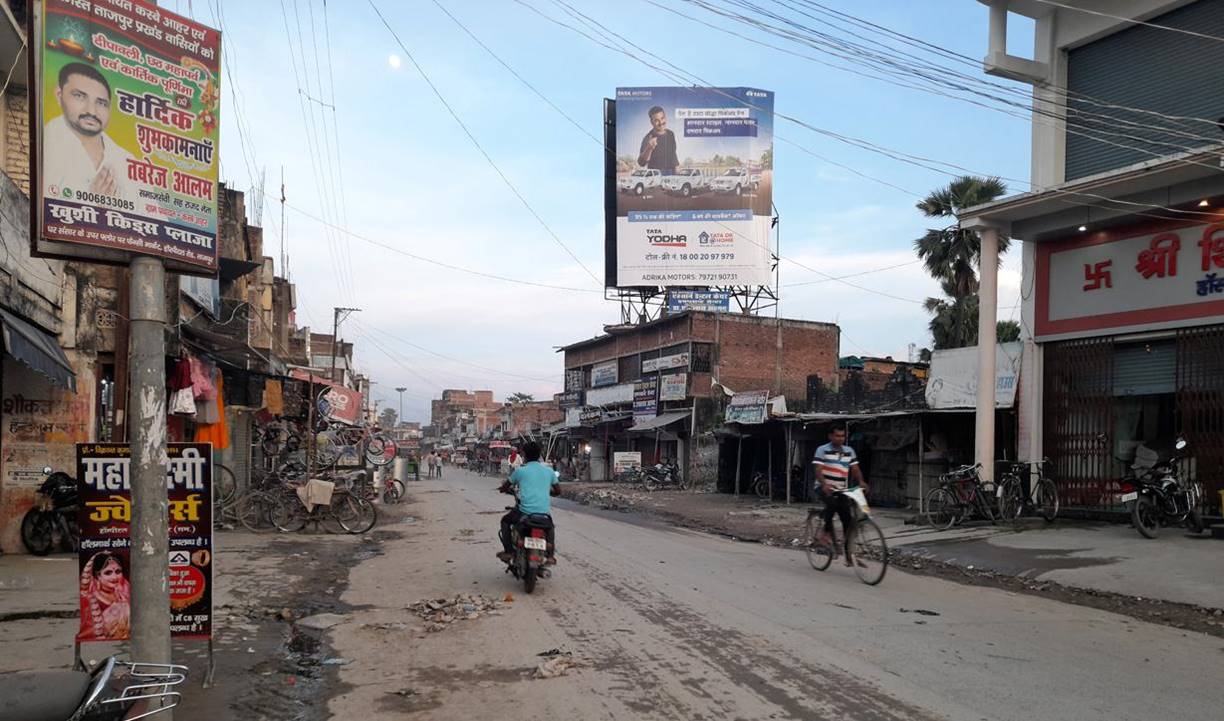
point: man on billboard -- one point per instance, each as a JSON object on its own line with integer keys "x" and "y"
{"x": 78, "y": 155}
{"x": 658, "y": 150}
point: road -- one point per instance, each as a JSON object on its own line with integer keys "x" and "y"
{"x": 674, "y": 624}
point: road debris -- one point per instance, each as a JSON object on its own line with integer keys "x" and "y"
{"x": 919, "y": 611}
{"x": 557, "y": 665}
{"x": 442, "y": 612}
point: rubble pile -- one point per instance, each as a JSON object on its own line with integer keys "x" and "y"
{"x": 442, "y": 612}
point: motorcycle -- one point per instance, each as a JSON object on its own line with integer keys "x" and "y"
{"x": 52, "y": 521}
{"x": 114, "y": 690}
{"x": 532, "y": 550}
{"x": 661, "y": 475}
{"x": 1159, "y": 495}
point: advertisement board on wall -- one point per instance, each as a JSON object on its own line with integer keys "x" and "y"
{"x": 646, "y": 398}
{"x": 953, "y": 380}
{"x": 673, "y": 386}
{"x": 694, "y": 186}
{"x": 125, "y": 126}
{"x": 569, "y": 399}
{"x": 104, "y": 517}
{"x": 676, "y": 360}
{"x": 1130, "y": 279}
{"x": 748, "y": 407}
{"x": 613, "y": 395}
{"x": 573, "y": 379}
{"x": 604, "y": 374}
{"x": 680, "y": 300}
{"x": 626, "y": 460}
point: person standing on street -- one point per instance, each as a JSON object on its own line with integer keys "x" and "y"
{"x": 438, "y": 464}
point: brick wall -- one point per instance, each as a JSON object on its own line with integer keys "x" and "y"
{"x": 16, "y": 111}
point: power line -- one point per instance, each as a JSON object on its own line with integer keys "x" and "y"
{"x": 479, "y": 147}
{"x": 1169, "y": 28}
{"x": 457, "y": 360}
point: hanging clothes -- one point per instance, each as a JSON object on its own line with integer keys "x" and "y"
{"x": 215, "y": 433}
{"x": 274, "y": 401}
{"x": 202, "y": 373}
{"x": 181, "y": 396}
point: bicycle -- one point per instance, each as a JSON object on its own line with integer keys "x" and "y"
{"x": 347, "y": 510}
{"x": 1010, "y": 492}
{"x": 377, "y": 447}
{"x": 959, "y": 494}
{"x": 760, "y": 485}
{"x": 869, "y": 550}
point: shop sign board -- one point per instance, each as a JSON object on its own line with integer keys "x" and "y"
{"x": 673, "y": 386}
{"x": 589, "y": 416}
{"x": 748, "y": 407}
{"x": 604, "y": 374}
{"x": 141, "y": 86}
{"x": 573, "y": 379}
{"x": 623, "y": 461}
{"x": 1149, "y": 276}
{"x": 646, "y": 398}
{"x": 693, "y": 184}
{"x": 615, "y": 395}
{"x": 569, "y": 399}
{"x": 104, "y": 518}
{"x": 680, "y": 300}
{"x": 677, "y": 360}
{"x": 953, "y": 379}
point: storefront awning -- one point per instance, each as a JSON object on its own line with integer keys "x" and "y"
{"x": 654, "y": 424}
{"x": 37, "y": 349}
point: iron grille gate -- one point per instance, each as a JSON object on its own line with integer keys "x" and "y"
{"x": 1200, "y": 406}
{"x": 1078, "y": 421}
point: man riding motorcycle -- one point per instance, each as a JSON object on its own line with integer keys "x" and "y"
{"x": 534, "y": 483}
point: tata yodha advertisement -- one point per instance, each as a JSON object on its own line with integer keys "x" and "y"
{"x": 694, "y": 185}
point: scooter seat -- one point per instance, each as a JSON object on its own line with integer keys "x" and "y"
{"x": 538, "y": 520}
{"x": 42, "y": 695}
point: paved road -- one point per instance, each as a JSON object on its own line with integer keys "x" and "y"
{"x": 681, "y": 625}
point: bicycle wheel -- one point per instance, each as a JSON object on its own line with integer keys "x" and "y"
{"x": 820, "y": 555}
{"x": 360, "y": 515}
{"x": 1010, "y": 497}
{"x": 942, "y": 508}
{"x": 760, "y": 487}
{"x": 254, "y": 510}
{"x": 1047, "y": 500}
{"x": 225, "y": 489}
{"x": 380, "y": 450}
{"x": 870, "y": 552}
{"x": 327, "y": 449}
{"x": 394, "y": 491}
{"x": 982, "y": 505}
{"x": 289, "y": 515}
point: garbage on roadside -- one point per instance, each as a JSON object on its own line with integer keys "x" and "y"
{"x": 442, "y": 612}
{"x": 557, "y": 663}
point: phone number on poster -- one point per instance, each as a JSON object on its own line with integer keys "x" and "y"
{"x": 104, "y": 200}
{"x": 691, "y": 256}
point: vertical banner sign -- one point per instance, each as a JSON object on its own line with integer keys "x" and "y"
{"x": 694, "y": 186}
{"x": 126, "y": 134}
{"x": 104, "y": 516}
{"x": 645, "y": 398}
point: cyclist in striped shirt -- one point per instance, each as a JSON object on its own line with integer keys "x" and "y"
{"x": 837, "y": 468}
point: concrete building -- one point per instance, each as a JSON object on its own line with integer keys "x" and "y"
{"x": 655, "y": 386}
{"x": 1122, "y": 239}
{"x": 461, "y": 414}
{"x": 525, "y": 419}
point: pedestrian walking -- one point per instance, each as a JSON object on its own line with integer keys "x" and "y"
{"x": 438, "y": 465}
{"x": 432, "y": 462}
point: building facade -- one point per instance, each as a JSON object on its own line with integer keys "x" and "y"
{"x": 1123, "y": 239}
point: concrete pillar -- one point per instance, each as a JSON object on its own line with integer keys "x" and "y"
{"x": 988, "y": 303}
{"x": 998, "y": 28}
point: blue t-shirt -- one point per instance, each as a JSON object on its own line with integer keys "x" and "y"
{"x": 534, "y": 481}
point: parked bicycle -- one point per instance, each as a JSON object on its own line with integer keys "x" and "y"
{"x": 1012, "y": 500}
{"x": 959, "y": 496}
{"x": 347, "y": 511}
{"x": 868, "y": 549}
{"x": 375, "y": 446}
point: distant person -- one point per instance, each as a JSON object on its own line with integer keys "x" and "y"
{"x": 658, "y": 150}
{"x": 78, "y": 155}
{"x": 438, "y": 465}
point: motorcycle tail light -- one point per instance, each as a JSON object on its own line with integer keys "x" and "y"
{"x": 537, "y": 533}
{"x": 1128, "y": 487}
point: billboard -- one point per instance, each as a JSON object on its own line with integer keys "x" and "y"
{"x": 693, "y": 184}
{"x": 125, "y": 128}
{"x": 104, "y": 517}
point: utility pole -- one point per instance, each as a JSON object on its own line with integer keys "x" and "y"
{"x": 401, "y": 390}
{"x": 150, "y": 524}
{"x": 336, "y": 320}
{"x": 284, "y": 230}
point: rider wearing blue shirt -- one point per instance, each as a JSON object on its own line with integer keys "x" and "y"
{"x": 534, "y": 483}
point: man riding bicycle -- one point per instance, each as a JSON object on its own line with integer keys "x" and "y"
{"x": 837, "y": 469}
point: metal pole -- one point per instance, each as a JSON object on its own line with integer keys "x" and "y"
{"x": 790, "y": 451}
{"x": 739, "y": 452}
{"x": 150, "y": 542}
{"x": 921, "y": 453}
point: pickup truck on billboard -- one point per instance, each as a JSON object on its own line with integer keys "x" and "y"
{"x": 686, "y": 182}
{"x": 640, "y": 181}
{"x": 737, "y": 181}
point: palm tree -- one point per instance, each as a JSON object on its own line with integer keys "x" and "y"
{"x": 950, "y": 252}
{"x": 521, "y": 398}
{"x": 954, "y": 320}
{"x": 1007, "y": 331}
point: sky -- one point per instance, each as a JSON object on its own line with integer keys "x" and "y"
{"x": 368, "y": 147}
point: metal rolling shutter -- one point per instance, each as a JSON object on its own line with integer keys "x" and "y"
{"x": 1143, "y": 369}
{"x": 1152, "y": 69}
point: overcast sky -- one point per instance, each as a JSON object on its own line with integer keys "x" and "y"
{"x": 414, "y": 181}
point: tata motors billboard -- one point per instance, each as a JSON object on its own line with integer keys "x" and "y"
{"x": 693, "y": 185}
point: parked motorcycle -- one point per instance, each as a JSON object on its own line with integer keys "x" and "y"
{"x": 661, "y": 475}
{"x": 112, "y": 691}
{"x": 52, "y": 521}
{"x": 530, "y": 540}
{"x": 1160, "y": 495}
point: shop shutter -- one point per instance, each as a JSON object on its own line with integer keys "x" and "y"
{"x": 240, "y": 442}
{"x": 1152, "y": 69}
{"x": 1144, "y": 369}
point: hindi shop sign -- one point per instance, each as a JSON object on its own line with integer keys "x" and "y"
{"x": 646, "y": 398}
{"x": 1132, "y": 279}
{"x": 748, "y": 407}
{"x": 104, "y": 517}
{"x": 625, "y": 461}
{"x": 673, "y": 386}
{"x": 680, "y": 300}
{"x": 126, "y": 131}
{"x": 678, "y": 360}
{"x": 604, "y": 374}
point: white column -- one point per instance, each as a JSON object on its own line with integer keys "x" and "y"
{"x": 988, "y": 303}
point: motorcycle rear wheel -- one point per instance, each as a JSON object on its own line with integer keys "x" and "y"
{"x": 38, "y": 532}
{"x": 1194, "y": 521}
{"x": 1146, "y": 517}
{"x": 529, "y": 578}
